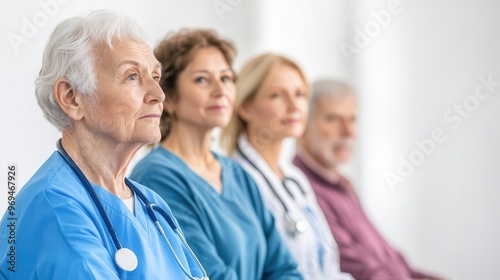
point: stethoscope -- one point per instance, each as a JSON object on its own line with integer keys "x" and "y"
{"x": 293, "y": 226}
{"x": 125, "y": 258}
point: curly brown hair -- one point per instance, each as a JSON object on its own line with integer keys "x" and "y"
{"x": 175, "y": 52}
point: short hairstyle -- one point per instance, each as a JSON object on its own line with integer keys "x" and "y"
{"x": 175, "y": 52}
{"x": 253, "y": 75}
{"x": 328, "y": 88}
{"x": 70, "y": 53}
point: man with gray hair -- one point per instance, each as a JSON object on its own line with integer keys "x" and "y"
{"x": 327, "y": 143}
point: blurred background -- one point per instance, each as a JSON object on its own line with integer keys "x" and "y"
{"x": 428, "y": 78}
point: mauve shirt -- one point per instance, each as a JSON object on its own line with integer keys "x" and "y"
{"x": 364, "y": 253}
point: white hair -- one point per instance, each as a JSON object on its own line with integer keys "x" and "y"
{"x": 328, "y": 88}
{"x": 69, "y": 53}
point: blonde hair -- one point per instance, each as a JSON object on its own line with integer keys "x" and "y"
{"x": 252, "y": 77}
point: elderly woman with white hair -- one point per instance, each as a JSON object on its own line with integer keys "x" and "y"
{"x": 78, "y": 217}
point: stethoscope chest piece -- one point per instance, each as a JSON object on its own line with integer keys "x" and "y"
{"x": 295, "y": 227}
{"x": 301, "y": 226}
{"x": 126, "y": 259}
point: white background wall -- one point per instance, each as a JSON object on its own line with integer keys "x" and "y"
{"x": 426, "y": 59}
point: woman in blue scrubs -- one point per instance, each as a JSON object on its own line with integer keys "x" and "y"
{"x": 216, "y": 202}
{"x": 78, "y": 217}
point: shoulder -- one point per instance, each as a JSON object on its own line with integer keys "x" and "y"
{"x": 241, "y": 179}
{"x": 154, "y": 160}
{"x": 227, "y": 161}
{"x": 164, "y": 176}
{"x": 51, "y": 198}
{"x": 232, "y": 166}
{"x": 53, "y": 180}
{"x": 305, "y": 170}
{"x": 296, "y": 173}
{"x": 234, "y": 172}
{"x": 159, "y": 167}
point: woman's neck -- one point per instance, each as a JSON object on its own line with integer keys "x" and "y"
{"x": 191, "y": 145}
{"x": 102, "y": 161}
{"x": 270, "y": 151}
{"x": 194, "y": 148}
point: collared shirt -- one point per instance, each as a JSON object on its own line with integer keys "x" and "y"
{"x": 315, "y": 249}
{"x": 364, "y": 253}
{"x": 330, "y": 175}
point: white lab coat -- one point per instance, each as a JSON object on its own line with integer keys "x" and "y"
{"x": 305, "y": 246}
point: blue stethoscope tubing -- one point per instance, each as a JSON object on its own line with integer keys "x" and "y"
{"x": 151, "y": 207}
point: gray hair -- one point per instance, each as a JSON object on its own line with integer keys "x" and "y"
{"x": 328, "y": 88}
{"x": 69, "y": 53}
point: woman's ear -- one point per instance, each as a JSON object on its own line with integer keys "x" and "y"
{"x": 243, "y": 111}
{"x": 168, "y": 106}
{"x": 67, "y": 98}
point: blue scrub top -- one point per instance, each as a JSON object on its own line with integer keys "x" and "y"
{"x": 59, "y": 233}
{"x": 232, "y": 233}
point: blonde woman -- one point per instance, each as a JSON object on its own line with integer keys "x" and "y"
{"x": 216, "y": 202}
{"x": 271, "y": 105}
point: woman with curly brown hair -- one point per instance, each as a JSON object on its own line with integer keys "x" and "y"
{"x": 216, "y": 202}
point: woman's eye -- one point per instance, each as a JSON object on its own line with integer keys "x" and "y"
{"x": 275, "y": 95}
{"x": 132, "y": 77}
{"x": 226, "y": 79}
{"x": 201, "y": 80}
{"x": 301, "y": 94}
{"x": 156, "y": 78}
{"x": 332, "y": 119}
